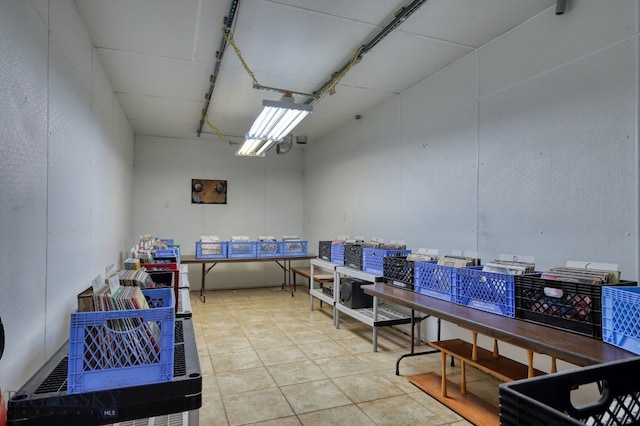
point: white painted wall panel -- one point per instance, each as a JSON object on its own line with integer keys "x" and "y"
{"x": 68, "y": 189}
{"x": 439, "y": 160}
{"x": 537, "y": 131}
{"x": 264, "y": 197}
{"x": 69, "y": 32}
{"x": 23, "y": 189}
{"x": 548, "y": 41}
{"x": 121, "y": 127}
{"x": 102, "y": 93}
{"x": 66, "y": 179}
{"x": 558, "y": 164}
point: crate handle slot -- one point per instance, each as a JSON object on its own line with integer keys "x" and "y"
{"x": 556, "y": 293}
{"x": 597, "y": 406}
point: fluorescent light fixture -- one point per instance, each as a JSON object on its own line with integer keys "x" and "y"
{"x": 276, "y": 120}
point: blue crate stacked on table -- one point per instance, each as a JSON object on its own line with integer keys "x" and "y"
{"x": 491, "y": 288}
{"x": 240, "y": 247}
{"x": 438, "y": 279}
{"x": 123, "y": 347}
{"x": 210, "y": 247}
{"x": 373, "y": 258}
{"x": 269, "y": 247}
{"x": 621, "y": 317}
{"x": 293, "y": 246}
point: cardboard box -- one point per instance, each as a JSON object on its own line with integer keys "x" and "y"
{"x": 85, "y": 301}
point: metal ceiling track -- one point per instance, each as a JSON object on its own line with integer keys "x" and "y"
{"x": 399, "y": 18}
{"x": 216, "y": 69}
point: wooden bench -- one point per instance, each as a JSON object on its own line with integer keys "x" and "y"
{"x": 491, "y": 362}
{"x": 306, "y": 273}
{"x": 534, "y": 338}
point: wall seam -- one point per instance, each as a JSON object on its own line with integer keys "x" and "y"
{"x": 557, "y": 67}
{"x": 48, "y": 141}
{"x": 637, "y": 138}
{"x": 477, "y": 55}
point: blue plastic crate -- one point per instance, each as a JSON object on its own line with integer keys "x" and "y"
{"x": 242, "y": 249}
{"x": 337, "y": 253}
{"x": 102, "y": 358}
{"x": 294, "y": 248}
{"x": 621, "y": 317}
{"x": 485, "y": 291}
{"x": 269, "y": 249}
{"x": 173, "y": 252}
{"x": 211, "y": 250}
{"x": 435, "y": 280}
{"x": 373, "y": 259}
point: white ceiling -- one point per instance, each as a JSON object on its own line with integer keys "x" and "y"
{"x": 159, "y": 55}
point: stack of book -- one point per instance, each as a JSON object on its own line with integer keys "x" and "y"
{"x": 458, "y": 261}
{"x": 137, "y": 277}
{"x": 582, "y": 275}
{"x": 509, "y": 267}
{"x": 132, "y": 263}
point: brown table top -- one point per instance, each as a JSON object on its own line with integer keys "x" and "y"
{"x": 191, "y": 258}
{"x": 573, "y": 348}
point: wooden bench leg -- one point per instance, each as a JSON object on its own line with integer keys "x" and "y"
{"x": 554, "y": 366}
{"x": 474, "y": 349}
{"x": 530, "y": 363}
{"x": 443, "y": 387}
{"x": 463, "y": 377}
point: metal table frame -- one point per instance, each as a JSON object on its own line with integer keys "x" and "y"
{"x": 284, "y": 262}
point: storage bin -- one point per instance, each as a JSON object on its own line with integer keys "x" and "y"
{"x": 435, "y": 280}
{"x": 162, "y": 279}
{"x": 398, "y": 268}
{"x": 269, "y": 249}
{"x": 485, "y": 291}
{"x": 171, "y": 254}
{"x": 337, "y": 253}
{"x": 324, "y": 250}
{"x": 294, "y": 248}
{"x": 100, "y": 357}
{"x": 373, "y": 258}
{"x": 546, "y": 400}
{"x": 353, "y": 256}
{"x": 621, "y": 317}
{"x": 211, "y": 250}
{"x": 572, "y": 307}
{"x": 240, "y": 249}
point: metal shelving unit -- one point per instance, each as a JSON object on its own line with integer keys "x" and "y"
{"x": 377, "y": 316}
{"x": 315, "y": 290}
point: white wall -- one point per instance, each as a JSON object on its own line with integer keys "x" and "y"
{"x": 264, "y": 197}
{"x": 67, "y": 172}
{"x": 526, "y": 146}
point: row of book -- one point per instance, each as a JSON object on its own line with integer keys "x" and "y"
{"x": 509, "y": 267}
{"x": 136, "y": 277}
{"x": 128, "y": 338}
{"x": 582, "y": 275}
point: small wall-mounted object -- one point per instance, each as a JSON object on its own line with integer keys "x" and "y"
{"x": 204, "y": 191}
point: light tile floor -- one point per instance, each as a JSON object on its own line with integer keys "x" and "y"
{"x": 267, "y": 359}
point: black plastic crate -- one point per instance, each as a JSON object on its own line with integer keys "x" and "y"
{"x": 324, "y": 250}
{"x": 572, "y": 307}
{"x": 398, "y": 268}
{"x": 546, "y": 400}
{"x": 353, "y": 256}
